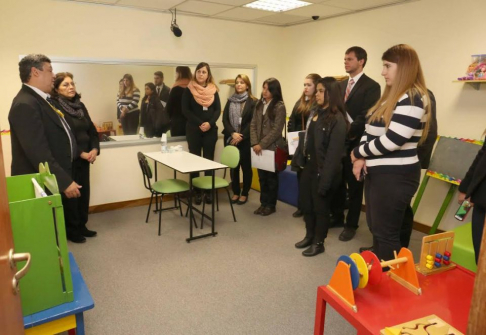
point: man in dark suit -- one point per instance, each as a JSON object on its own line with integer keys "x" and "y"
{"x": 40, "y": 134}
{"x": 161, "y": 89}
{"x": 360, "y": 93}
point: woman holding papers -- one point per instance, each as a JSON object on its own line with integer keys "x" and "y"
{"x": 67, "y": 100}
{"x": 237, "y": 116}
{"x": 387, "y": 152}
{"x": 202, "y": 108}
{"x": 265, "y": 134}
{"x": 323, "y": 149}
{"x": 300, "y": 115}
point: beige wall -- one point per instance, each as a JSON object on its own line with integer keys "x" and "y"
{"x": 442, "y": 32}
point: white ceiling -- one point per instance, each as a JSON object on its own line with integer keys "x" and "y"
{"x": 233, "y": 10}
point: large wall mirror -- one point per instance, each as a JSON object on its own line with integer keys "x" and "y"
{"x": 98, "y": 82}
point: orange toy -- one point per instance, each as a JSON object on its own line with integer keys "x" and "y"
{"x": 368, "y": 270}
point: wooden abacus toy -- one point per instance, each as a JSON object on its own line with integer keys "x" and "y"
{"x": 359, "y": 270}
{"x": 436, "y": 253}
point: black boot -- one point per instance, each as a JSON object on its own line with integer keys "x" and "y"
{"x": 297, "y": 214}
{"x": 307, "y": 241}
{"x": 314, "y": 249}
{"x": 197, "y": 198}
{"x": 208, "y": 197}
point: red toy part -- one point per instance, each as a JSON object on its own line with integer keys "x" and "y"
{"x": 374, "y": 266}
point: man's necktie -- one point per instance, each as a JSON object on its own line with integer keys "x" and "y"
{"x": 348, "y": 89}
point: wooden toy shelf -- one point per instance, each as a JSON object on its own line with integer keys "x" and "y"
{"x": 473, "y": 83}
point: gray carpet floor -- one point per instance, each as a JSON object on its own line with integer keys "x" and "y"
{"x": 249, "y": 279}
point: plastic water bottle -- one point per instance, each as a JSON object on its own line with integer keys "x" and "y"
{"x": 163, "y": 143}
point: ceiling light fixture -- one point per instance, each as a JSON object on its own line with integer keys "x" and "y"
{"x": 173, "y": 25}
{"x": 277, "y": 5}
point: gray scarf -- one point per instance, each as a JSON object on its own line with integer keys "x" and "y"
{"x": 72, "y": 107}
{"x": 236, "y": 108}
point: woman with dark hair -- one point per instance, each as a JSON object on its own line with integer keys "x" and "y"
{"x": 127, "y": 103}
{"x": 473, "y": 188}
{"x": 300, "y": 115}
{"x": 387, "y": 152}
{"x": 237, "y": 117}
{"x": 266, "y": 134}
{"x": 202, "y": 108}
{"x": 75, "y": 113}
{"x": 323, "y": 149}
{"x": 174, "y": 104}
{"x": 154, "y": 118}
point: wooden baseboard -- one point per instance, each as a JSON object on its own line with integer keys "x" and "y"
{"x": 124, "y": 204}
{"x": 418, "y": 226}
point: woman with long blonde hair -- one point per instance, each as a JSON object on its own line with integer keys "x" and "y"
{"x": 127, "y": 103}
{"x": 301, "y": 112}
{"x": 237, "y": 116}
{"x": 387, "y": 153}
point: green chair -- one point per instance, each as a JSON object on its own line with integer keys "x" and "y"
{"x": 230, "y": 157}
{"x": 161, "y": 187}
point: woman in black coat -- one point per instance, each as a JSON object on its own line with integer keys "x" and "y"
{"x": 322, "y": 151}
{"x": 473, "y": 188}
{"x": 68, "y": 101}
{"x": 174, "y": 104}
{"x": 300, "y": 114}
{"x": 202, "y": 108}
{"x": 237, "y": 116}
{"x": 154, "y": 119}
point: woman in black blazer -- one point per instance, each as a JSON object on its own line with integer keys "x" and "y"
{"x": 88, "y": 145}
{"x": 154, "y": 118}
{"x": 174, "y": 104}
{"x": 300, "y": 114}
{"x": 323, "y": 151}
{"x": 237, "y": 116}
{"x": 202, "y": 108}
{"x": 473, "y": 188}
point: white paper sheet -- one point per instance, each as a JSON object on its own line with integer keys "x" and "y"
{"x": 264, "y": 162}
{"x": 293, "y": 141}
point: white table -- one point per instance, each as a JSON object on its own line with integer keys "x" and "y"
{"x": 185, "y": 162}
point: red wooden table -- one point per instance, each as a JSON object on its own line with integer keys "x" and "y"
{"x": 447, "y": 295}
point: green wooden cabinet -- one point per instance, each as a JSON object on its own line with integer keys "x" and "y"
{"x": 38, "y": 228}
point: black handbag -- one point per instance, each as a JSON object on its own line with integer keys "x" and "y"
{"x": 298, "y": 159}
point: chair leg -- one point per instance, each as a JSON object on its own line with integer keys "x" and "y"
{"x": 202, "y": 215}
{"x": 156, "y": 203}
{"x": 217, "y": 201}
{"x": 160, "y": 212}
{"x": 231, "y": 204}
{"x": 180, "y": 206}
{"x": 150, "y": 205}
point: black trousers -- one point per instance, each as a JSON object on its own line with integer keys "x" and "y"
{"x": 268, "y": 188}
{"x": 130, "y": 123}
{"x": 316, "y": 208}
{"x": 388, "y": 211}
{"x": 76, "y": 209}
{"x": 245, "y": 164}
{"x": 355, "y": 192}
{"x": 477, "y": 227}
{"x": 198, "y": 140}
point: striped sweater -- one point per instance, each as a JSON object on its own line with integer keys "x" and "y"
{"x": 394, "y": 150}
{"x": 130, "y": 102}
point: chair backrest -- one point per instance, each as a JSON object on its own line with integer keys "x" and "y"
{"x": 230, "y": 156}
{"x": 146, "y": 171}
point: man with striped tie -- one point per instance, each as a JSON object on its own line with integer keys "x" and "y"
{"x": 360, "y": 93}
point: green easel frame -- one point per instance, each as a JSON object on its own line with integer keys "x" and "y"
{"x": 445, "y": 203}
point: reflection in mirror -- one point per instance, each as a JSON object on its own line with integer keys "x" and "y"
{"x": 102, "y": 82}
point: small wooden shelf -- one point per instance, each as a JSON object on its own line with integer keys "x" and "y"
{"x": 473, "y": 83}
